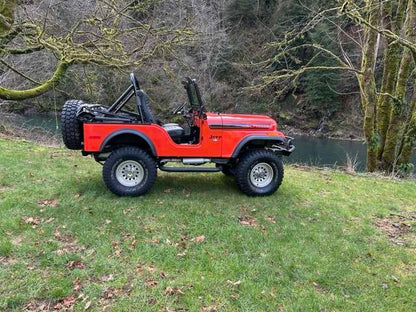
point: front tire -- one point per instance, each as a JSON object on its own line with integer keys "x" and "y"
{"x": 228, "y": 170}
{"x": 259, "y": 173}
{"x": 129, "y": 171}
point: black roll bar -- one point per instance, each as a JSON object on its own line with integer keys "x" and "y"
{"x": 133, "y": 89}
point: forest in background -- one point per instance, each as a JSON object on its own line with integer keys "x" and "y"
{"x": 229, "y": 39}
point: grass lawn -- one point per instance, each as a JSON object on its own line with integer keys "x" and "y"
{"x": 325, "y": 241}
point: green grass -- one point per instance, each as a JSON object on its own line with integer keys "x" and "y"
{"x": 311, "y": 246}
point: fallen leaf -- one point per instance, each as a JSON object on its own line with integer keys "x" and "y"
{"x": 233, "y": 283}
{"x": 77, "y": 284}
{"x": 48, "y": 202}
{"x": 173, "y": 291}
{"x": 112, "y": 292}
{"x": 107, "y": 278}
{"x": 16, "y": 240}
{"x": 77, "y": 264}
{"x": 32, "y": 221}
{"x": 39, "y": 305}
{"x": 31, "y": 175}
{"x": 153, "y": 240}
{"x": 270, "y": 219}
{"x": 151, "y": 301}
{"x": 107, "y": 221}
{"x": 167, "y": 190}
{"x": 182, "y": 254}
{"x": 200, "y": 239}
{"x": 114, "y": 244}
{"x": 150, "y": 283}
{"x": 65, "y": 303}
{"x": 87, "y": 305}
{"x": 247, "y": 221}
{"x": 211, "y": 308}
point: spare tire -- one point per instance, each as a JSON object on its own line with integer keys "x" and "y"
{"x": 71, "y": 128}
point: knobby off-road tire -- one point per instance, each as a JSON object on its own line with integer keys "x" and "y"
{"x": 259, "y": 173}
{"x": 129, "y": 171}
{"x": 228, "y": 170}
{"x": 71, "y": 127}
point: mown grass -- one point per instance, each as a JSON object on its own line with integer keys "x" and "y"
{"x": 195, "y": 242}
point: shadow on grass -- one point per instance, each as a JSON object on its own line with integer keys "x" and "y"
{"x": 183, "y": 191}
{"x": 172, "y": 183}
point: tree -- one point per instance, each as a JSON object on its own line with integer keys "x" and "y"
{"x": 116, "y": 34}
{"x": 388, "y": 28}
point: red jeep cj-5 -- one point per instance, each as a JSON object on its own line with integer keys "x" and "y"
{"x": 133, "y": 145}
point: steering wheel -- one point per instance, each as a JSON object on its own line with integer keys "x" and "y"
{"x": 178, "y": 109}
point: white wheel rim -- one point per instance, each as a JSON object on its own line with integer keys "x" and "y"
{"x": 129, "y": 173}
{"x": 261, "y": 175}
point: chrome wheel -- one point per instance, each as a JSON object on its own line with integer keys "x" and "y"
{"x": 129, "y": 173}
{"x": 261, "y": 175}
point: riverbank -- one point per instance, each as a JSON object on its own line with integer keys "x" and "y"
{"x": 324, "y": 241}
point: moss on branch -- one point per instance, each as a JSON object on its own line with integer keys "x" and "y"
{"x": 11, "y": 94}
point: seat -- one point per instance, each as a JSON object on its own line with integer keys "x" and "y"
{"x": 174, "y": 130}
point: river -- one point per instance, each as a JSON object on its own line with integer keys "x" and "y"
{"x": 309, "y": 150}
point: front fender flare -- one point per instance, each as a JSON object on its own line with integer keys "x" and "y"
{"x": 250, "y": 138}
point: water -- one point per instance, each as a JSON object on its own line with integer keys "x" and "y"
{"x": 50, "y": 123}
{"x": 327, "y": 152}
{"x": 309, "y": 150}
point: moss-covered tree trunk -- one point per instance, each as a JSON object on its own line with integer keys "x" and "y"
{"x": 408, "y": 141}
{"x": 392, "y": 57}
{"x": 368, "y": 85}
{"x": 396, "y": 127}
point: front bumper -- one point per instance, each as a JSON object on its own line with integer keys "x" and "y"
{"x": 286, "y": 148}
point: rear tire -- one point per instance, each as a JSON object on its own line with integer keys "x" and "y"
{"x": 259, "y": 173}
{"x": 71, "y": 128}
{"x": 129, "y": 171}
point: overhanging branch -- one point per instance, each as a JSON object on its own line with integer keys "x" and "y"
{"x": 10, "y": 94}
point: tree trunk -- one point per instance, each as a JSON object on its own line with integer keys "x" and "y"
{"x": 392, "y": 56}
{"x": 397, "y": 117}
{"x": 409, "y": 137}
{"x": 368, "y": 86}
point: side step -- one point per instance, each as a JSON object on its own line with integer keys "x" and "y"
{"x": 190, "y": 169}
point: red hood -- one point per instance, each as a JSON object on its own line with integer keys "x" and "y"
{"x": 241, "y": 121}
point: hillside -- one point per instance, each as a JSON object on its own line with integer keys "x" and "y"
{"x": 229, "y": 37}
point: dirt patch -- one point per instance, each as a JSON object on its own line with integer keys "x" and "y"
{"x": 6, "y": 261}
{"x": 399, "y": 228}
{"x": 4, "y": 188}
{"x": 39, "y": 305}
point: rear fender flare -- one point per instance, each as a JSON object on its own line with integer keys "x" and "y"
{"x": 133, "y": 132}
{"x": 252, "y": 138}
